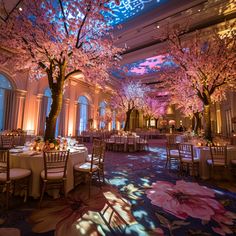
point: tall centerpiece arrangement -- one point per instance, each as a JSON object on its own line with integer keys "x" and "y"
{"x": 205, "y": 64}
{"x": 58, "y": 39}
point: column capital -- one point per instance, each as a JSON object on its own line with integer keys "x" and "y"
{"x": 20, "y": 93}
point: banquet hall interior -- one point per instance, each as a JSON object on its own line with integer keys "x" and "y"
{"x": 117, "y": 117}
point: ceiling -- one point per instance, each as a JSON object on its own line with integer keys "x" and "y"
{"x": 138, "y": 25}
{"x": 141, "y": 35}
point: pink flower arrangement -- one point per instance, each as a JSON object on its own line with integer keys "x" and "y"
{"x": 186, "y": 199}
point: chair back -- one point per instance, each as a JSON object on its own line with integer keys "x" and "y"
{"x": 171, "y": 139}
{"x": 97, "y": 142}
{"x": 55, "y": 162}
{"x": 6, "y": 142}
{"x": 218, "y": 154}
{"x": 97, "y": 154}
{"x": 186, "y": 151}
{"x": 171, "y": 142}
{"x": 131, "y": 140}
{"x": 4, "y": 163}
{"x": 19, "y": 140}
{"x": 79, "y": 140}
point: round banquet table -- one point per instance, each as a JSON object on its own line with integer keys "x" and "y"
{"x": 203, "y": 153}
{"x": 34, "y": 161}
{"x": 124, "y": 139}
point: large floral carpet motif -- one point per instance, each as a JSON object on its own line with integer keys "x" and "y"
{"x": 101, "y": 214}
{"x": 187, "y": 199}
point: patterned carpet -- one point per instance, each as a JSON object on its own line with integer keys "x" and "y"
{"x": 141, "y": 197}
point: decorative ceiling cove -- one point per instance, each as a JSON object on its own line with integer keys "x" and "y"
{"x": 128, "y": 9}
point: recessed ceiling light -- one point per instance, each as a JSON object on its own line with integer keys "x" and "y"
{"x": 158, "y": 26}
{"x": 20, "y": 9}
{"x": 199, "y": 10}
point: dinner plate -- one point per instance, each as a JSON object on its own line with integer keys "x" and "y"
{"x": 19, "y": 147}
{"x": 15, "y": 150}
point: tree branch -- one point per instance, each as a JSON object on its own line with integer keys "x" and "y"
{"x": 72, "y": 72}
{"x": 64, "y": 17}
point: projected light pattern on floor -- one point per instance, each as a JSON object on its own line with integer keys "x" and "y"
{"x": 129, "y": 9}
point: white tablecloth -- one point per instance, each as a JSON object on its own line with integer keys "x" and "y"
{"x": 203, "y": 153}
{"x": 35, "y": 163}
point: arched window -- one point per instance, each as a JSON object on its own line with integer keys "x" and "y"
{"x": 83, "y": 113}
{"x": 102, "y": 112}
{"x": 48, "y": 94}
{"x": 4, "y": 85}
{"x": 113, "y": 120}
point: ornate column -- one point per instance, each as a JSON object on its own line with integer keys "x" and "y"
{"x": 38, "y": 111}
{"x": 94, "y": 115}
{"x": 20, "y": 106}
{"x": 66, "y": 117}
{"x": 76, "y": 117}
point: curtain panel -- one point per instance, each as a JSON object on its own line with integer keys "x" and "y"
{"x": 42, "y": 116}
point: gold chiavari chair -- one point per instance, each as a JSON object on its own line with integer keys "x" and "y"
{"x": 218, "y": 157}
{"x": 6, "y": 142}
{"x": 12, "y": 177}
{"x": 187, "y": 159}
{"x": 90, "y": 168}
{"x": 54, "y": 174}
{"x": 131, "y": 144}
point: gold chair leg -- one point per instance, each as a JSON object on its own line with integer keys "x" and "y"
{"x": 7, "y": 195}
{"x": 90, "y": 182}
{"x": 42, "y": 193}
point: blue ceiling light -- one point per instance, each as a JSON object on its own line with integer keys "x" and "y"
{"x": 129, "y": 9}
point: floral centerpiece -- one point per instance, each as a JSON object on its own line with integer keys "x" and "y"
{"x": 38, "y": 143}
{"x": 56, "y": 144}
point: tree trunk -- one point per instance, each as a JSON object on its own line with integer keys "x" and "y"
{"x": 127, "y": 121}
{"x": 207, "y": 122}
{"x": 51, "y": 120}
{"x": 196, "y": 123}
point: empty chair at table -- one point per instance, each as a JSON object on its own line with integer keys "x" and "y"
{"x": 109, "y": 143}
{"x": 120, "y": 143}
{"x": 218, "y": 157}
{"x": 89, "y": 168}
{"x": 188, "y": 161}
{"x": 54, "y": 174}
{"x": 6, "y": 142}
{"x": 11, "y": 178}
{"x": 172, "y": 155}
{"x": 131, "y": 144}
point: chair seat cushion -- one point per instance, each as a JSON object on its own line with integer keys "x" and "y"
{"x": 15, "y": 174}
{"x": 216, "y": 162}
{"x": 95, "y": 159}
{"x": 189, "y": 160}
{"x": 53, "y": 174}
{"x": 233, "y": 162}
{"x": 85, "y": 167}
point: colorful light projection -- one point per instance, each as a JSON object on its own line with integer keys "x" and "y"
{"x": 145, "y": 66}
{"x": 128, "y": 9}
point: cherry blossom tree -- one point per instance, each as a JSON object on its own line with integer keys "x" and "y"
{"x": 58, "y": 39}
{"x": 130, "y": 96}
{"x": 205, "y": 65}
{"x": 184, "y": 98}
{"x": 153, "y": 108}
